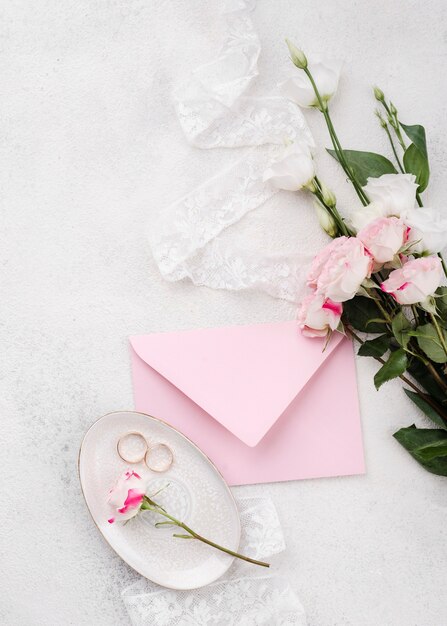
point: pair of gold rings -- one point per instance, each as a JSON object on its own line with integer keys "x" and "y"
{"x": 133, "y": 447}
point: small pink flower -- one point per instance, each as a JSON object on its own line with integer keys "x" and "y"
{"x": 318, "y": 315}
{"x": 340, "y": 268}
{"x": 126, "y": 496}
{"x": 415, "y": 281}
{"x": 383, "y": 238}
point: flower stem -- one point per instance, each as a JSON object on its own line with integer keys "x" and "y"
{"x": 384, "y": 312}
{"x": 335, "y": 141}
{"x": 444, "y": 266}
{"x": 395, "y": 124}
{"x": 150, "y": 505}
{"x": 343, "y": 228}
{"x": 436, "y": 375}
{"x": 393, "y": 147}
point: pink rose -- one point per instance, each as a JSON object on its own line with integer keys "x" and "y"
{"x": 340, "y": 268}
{"x": 318, "y": 315}
{"x": 383, "y": 238}
{"x": 415, "y": 281}
{"x": 126, "y": 497}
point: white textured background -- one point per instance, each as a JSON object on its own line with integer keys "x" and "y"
{"x": 90, "y": 149}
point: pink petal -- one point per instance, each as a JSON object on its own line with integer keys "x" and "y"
{"x": 132, "y": 501}
{"x": 335, "y": 307}
{"x": 111, "y": 520}
{"x": 130, "y": 474}
{"x": 404, "y": 286}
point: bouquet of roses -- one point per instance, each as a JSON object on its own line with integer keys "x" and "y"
{"x": 380, "y": 279}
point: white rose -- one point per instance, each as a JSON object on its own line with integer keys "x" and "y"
{"x": 365, "y": 215}
{"x": 395, "y": 193}
{"x": 126, "y": 497}
{"x": 294, "y": 170}
{"x": 428, "y": 230}
{"x": 326, "y": 74}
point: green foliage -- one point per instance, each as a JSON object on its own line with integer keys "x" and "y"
{"x": 366, "y": 164}
{"x": 429, "y": 342}
{"x": 395, "y": 366}
{"x": 416, "y": 156}
{"x": 360, "y": 311}
{"x": 375, "y": 347}
{"x": 428, "y": 446}
{"x": 416, "y": 134}
{"x": 438, "y": 416}
{"x": 400, "y": 327}
{"x": 416, "y": 163}
{"x": 423, "y": 376}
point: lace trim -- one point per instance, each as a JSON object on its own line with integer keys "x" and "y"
{"x": 213, "y": 112}
{"x": 243, "y": 597}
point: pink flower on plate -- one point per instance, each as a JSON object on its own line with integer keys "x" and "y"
{"x": 126, "y": 497}
{"x": 340, "y": 268}
{"x": 383, "y": 238}
{"x": 318, "y": 315}
{"x": 415, "y": 281}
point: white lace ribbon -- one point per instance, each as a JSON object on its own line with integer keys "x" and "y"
{"x": 215, "y": 111}
{"x": 245, "y": 596}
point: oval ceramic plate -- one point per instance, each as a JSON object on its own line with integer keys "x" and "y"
{"x": 193, "y": 491}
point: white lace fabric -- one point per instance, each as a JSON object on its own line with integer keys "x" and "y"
{"x": 245, "y": 596}
{"x": 215, "y": 111}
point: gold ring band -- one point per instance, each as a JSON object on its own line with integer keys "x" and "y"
{"x": 132, "y": 433}
{"x": 158, "y": 446}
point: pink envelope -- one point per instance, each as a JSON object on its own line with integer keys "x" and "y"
{"x": 263, "y": 402}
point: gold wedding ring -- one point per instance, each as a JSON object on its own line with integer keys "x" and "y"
{"x": 161, "y": 450}
{"x": 132, "y": 447}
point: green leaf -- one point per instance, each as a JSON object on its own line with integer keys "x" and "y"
{"x": 366, "y": 164}
{"x": 394, "y": 367}
{"x": 416, "y": 134}
{"x": 360, "y": 311}
{"x": 427, "y": 445}
{"x": 429, "y": 342}
{"x": 437, "y": 416}
{"x": 400, "y": 327}
{"x": 375, "y": 347}
{"x": 423, "y": 376}
{"x": 416, "y": 163}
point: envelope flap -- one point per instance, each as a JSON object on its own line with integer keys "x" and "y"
{"x": 244, "y": 376}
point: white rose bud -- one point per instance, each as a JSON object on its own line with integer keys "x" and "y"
{"x": 378, "y": 94}
{"x": 328, "y": 196}
{"x": 298, "y": 57}
{"x": 326, "y": 220}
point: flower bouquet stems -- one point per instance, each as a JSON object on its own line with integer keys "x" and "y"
{"x": 380, "y": 280}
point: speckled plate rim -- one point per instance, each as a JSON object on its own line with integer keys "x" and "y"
{"x": 224, "y": 483}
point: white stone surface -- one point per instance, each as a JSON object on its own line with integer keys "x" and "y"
{"x": 90, "y": 151}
